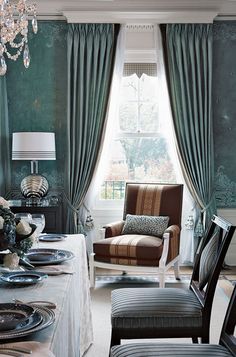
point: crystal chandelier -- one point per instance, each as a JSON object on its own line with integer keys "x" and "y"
{"x": 14, "y": 30}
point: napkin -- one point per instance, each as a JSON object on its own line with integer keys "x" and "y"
{"x": 55, "y": 270}
{"x": 4, "y": 269}
{"x": 38, "y": 349}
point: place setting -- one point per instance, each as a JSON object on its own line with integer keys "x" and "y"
{"x": 44, "y": 256}
{"x": 32, "y": 298}
{"x": 51, "y": 237}
{"x": 19, "y": 319}
{"x": 19, "y": 278}
{"x": 23, "y": 264}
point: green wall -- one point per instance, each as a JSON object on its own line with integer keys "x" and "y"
{"x": 37, "y": 102}
{"x": 224, "y": 111}
{"x": 37, "y": 97}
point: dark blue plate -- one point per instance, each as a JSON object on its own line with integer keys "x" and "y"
{"x": 23, "y": 277}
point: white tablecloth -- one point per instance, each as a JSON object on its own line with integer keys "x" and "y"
{"x": 71, "y": 334}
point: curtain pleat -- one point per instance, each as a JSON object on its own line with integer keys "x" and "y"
{"x": 91, "y": 49}
{"x": 5, "y": 175}
{"x": 189, "y": 58}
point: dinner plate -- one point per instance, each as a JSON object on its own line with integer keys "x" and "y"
{"x": 41, "y": 319}
{"x": 13, "y": 315}
{"x": 41, "y": 256}
{"x": 23, "y": 277}
{"x": 26, "y": 325}
{"x": 52, "y": 237}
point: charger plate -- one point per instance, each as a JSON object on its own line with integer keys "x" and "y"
{"x": 52, "y": 237}
{"x": 23, "y": 277}
{"x": 41, "y": 319}
{"x": 44, "y": 256}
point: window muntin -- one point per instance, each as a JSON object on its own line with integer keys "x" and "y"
{"x": 139, "y": 151}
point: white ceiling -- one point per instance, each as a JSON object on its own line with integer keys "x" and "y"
{"x": 137, "y": 10}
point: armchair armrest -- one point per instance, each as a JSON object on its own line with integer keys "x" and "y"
{"x": 113, "y": 229}
{"x": 174, "y": 237}
{"x": 174, "y": 230}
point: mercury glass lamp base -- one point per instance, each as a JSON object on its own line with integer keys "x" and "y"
{"x": 34, "y": 185}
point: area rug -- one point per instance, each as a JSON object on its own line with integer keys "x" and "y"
{"x": 136, "y": 279}
{"x": 101, "y": 307}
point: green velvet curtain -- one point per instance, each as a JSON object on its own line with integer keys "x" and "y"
{"x": 189, "y": 58}
{"x": 5, "y": 175}
{"x": 91, "y": 49}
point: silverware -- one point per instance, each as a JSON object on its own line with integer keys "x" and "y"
{"x": 42, "y": 303}
{"x": 10, "y": 352}
{"x": 16, "y": 349}
{"x": 55, "y": 272}
{"x": 50, "y": 270}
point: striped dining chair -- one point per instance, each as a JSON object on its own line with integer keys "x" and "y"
{"x": 175, "y": 312}
{"x": 225, "y": 348}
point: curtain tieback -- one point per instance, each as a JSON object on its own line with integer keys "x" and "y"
{"x": 76, "y": 214}
{"x": 203, "y": 210}
{"x": 89, "y": 223}
{"x": 75, "y": 210}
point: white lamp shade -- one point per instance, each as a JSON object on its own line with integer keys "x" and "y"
{"x": 33, "y": 146}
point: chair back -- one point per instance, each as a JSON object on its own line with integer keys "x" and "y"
{"x": 153, "y": 199}
{"x": 227, "y": 337}
{"x": 208, "y": 263}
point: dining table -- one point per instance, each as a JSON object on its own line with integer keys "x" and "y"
{"x": 71, "y": 334}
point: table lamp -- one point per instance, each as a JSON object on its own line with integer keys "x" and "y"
{"x": 34, "y": 146}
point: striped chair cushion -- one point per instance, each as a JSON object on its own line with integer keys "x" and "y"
{"x": 208, "y": 258}
{"x": 169, "y": 350}
{"x": 129, "y": 249}
{"x": 155, "y": 308}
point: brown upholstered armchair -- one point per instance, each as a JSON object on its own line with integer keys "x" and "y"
{"x": 147, "y": 240}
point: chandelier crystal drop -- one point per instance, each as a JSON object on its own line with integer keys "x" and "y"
{"x": 14, "y": 20}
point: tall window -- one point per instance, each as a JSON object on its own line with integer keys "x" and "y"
{"x": 139, "y": 151}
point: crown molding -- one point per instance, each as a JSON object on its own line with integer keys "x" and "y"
{"x": 57, "y": 7}
{"x": 123, "y": 17}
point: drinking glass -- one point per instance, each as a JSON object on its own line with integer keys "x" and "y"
{"x": 39, "y": 220}
{"x": 25, "y": 216}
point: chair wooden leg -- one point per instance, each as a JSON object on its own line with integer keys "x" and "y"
{"x": 91, "y": 271}
{"x": 205, "y": 339}
{"x": 162, "y": 280}
{"x": 195, "y": 339}
{"x": 176, "y": 270}
{"x": 115, "y": 340}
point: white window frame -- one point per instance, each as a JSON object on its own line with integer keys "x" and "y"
{"x": 144, "y": 52}
{"x": 116, "y": 204}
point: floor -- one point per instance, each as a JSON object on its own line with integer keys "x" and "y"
{"x": 228, "y": 271}
{"x": 227, "y": 276}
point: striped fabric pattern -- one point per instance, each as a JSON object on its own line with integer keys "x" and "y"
{"x": 129, "y": 249}
{"x": 155, "y": 308}
{"x": 114, "y": 229}
{"x": 174, "y": 242}
{"x": 169, "y": 350}
{"x": 149, "y": 200}
{"x": 208, "y": 258}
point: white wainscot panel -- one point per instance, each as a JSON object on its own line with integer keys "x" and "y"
{"x": 230, "y": 215}
{"x": 105, "y": 216}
